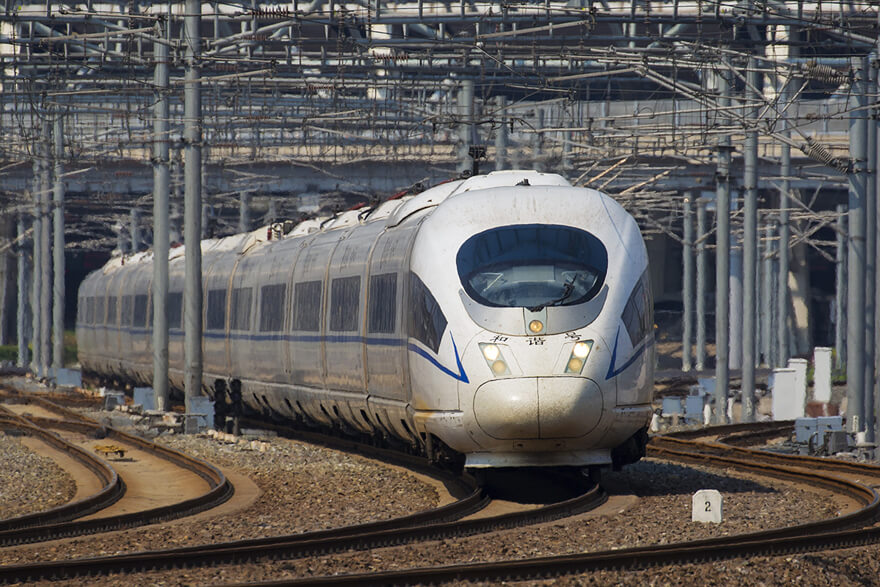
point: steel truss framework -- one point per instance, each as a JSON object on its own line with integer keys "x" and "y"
{"x": 642, "y": 99}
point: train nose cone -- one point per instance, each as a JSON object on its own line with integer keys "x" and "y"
{"x": 538, "y": 407}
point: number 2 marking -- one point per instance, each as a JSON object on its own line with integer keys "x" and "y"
{"x": 708, "y": 507}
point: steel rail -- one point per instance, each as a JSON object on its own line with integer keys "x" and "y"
{"x": 50, "y": 529}
{"x": 301, "y": 545}
{"x": 813, "y": 536}
{"x": 111, "y": 491}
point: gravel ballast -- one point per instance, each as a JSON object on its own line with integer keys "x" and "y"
{"x": 307, "y": 487}
{"x": 29, "y": 482}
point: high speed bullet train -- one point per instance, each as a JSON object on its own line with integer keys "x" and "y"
{"x": 502, "y": 319}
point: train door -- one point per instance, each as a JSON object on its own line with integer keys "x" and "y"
{"x": 386, "y": 320}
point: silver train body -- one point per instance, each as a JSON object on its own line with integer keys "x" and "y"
{"x": 505, "y": 317}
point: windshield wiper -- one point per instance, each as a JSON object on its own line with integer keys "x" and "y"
{"x": 568, "y": 289}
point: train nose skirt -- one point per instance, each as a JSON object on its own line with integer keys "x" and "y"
{"x": 538, "y": 407}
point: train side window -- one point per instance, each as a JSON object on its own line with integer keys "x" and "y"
{"x": 272, "y": 303}
{"x": 175, "y": 308}
{"x": 90, "y": 310}
{"x": 125, "y": 309}
{"x": 99, "y": 311}
{"x": 426, "y": 320}
{"x": 240, "y": 318}
{"x": 140, "y": 310}
{"x": 638, "y": 314}
{"x": 216, "y": 315}
{"x": 383, "y": 303}
{"x": 344, "y": 303}
{"x": 307, "y": 306}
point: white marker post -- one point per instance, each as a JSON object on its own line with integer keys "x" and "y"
{"x": 707, "y": 506}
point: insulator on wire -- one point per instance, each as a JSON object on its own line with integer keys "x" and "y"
{"x": 824, "y": 73}
{"x": 814, "y": 150}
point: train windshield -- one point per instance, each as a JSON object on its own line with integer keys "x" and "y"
{"x": 532, "y": 266}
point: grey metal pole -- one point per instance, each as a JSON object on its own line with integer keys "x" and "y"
{"x": 735, "y": 276}
{"x": 244, "y": 212}
{"x": 876, "y": 254}
{"x": 22, "y": 302}
{"x": 782, "y": 332}
{"x": 767, "y": 321}
{"x": 501, "y": 135}
{"x": 701, "y": 285}
{"x": 566, "y": 150}
{"x": 870, "y": 248}
{"x": 192, "y": 230}
{"x": 840, "y": 294}
{"x": 58, "y": 249}
{"x": 855, "y": 324}
{"x": 135, "y": 229}
{"x": 722, "y": 261}
{"x": 750, "y": 244}
{"x": 45, "y": 257}
{"x": 687, "y": 296}
{"x": 466, "y": 113}
{"x": 37, "y": 273}
{"x": 161, "y": 188}
{"x": 538, "y": 141}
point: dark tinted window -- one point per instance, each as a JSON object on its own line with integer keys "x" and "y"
{"x": 344, "y": 299}
{"x": 241, "y": 309}
{"x": 532, "y": 266}
{"x": 111, "y": 309}
{"x": 383, "y": 303}
{"x": 175, "y": 309}
{"x": 90, "y": 310}
{"x": 307, "y": 306}
{"x": 140, "y": 310}
{"x": 216, "y": 315}
{"x": 638, "y": 314}
{"x": 426, "y": 320}
{"x": 99, "y": 311}
{"x": 272, "y": 300}
{"x": 125, "y": 309}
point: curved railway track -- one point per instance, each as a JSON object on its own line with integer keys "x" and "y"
{"x": 62, "y": 522}
{"x": 113, "y": 488}
{"x": 444, "y": 522}
{"x": 839, "y": 532}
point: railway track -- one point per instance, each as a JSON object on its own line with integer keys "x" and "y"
{"x": 64, "y": 522}
{"x": 849, "y": 530}
{"x": 113, "y": 488}
{"x": 444, "y": 522}
{"x": 846, "y": 531}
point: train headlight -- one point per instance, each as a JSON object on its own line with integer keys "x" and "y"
{"x": 494, "y": 359}
{"x": 536, "y": 326}
{"x": 578, "y": 357}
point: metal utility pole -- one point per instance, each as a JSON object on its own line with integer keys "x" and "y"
{"x": 840, "y": 294}
{"x": 687, "y": 297}
{"x": 750, "y": 244}
{"x": 58, "y": 250}
{"x": 722, "y": 260}
{"x": 782, "y": 340}
{"x": 45, "y": 260}
{"x": 192, "y": 230}
{"x": 135, "y": 230}
{"x": 466, "y": 127}
{"x": 244, "y": 212}
{"x": 161, "y": 187}
{"x": 870, "y": 248}
{"x": 855, "y": 324}
{"x": 37, "y": 273}
{"x": 501, "y": 135}
{"x": 767, "y": 318}
{"x": 701, "y": 285}
{"x": 22, "y": 302}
